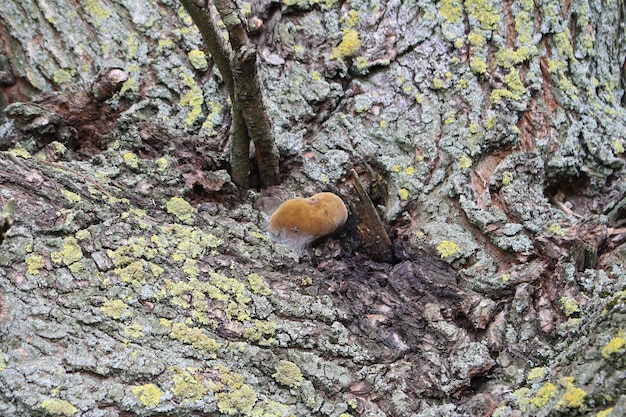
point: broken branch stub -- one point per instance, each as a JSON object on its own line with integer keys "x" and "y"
{"x": 373, "y": 238}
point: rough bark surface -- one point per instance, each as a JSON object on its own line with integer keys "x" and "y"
{"x": 136, "y": 279}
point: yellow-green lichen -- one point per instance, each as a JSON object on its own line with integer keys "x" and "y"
{"x": 70, "y": 196}
{"x": 507, "y": 178}
{"x": 573, "y": 397}
{"x": 546, "y": 392}
{"x": 34, "y": 263}
{"x": 465, "y": 162}
{"x": 83, "y": 234}
{"x": 288, "y": 374}
{"x": 448, "y": 249}
{"x": 515, "y": 88}
{"x": 260, "y": 331}
{"x": 165, "y": 44}
{"x": 20, "y": 153}
{"x": 190, "y": 267}
{"x": 58, "y": 407}
{"x": 96, "y": 11}
{"x": 270, "y": 408}
{"x": 239, "y": 401}
{"x": 353, "y": 19}
{"x": 62, "y": 76}
{"x": 536, "y": 373}
{"x": 451, "y": 10}
{"x": 569, "y": 305}
{"x": 188, "y": 384}
{"x": 614, "y": 346}
{"x": 162, "y": 164}
{"x": 70, "y": 252}
{"x": 483, "y": 11}
{"x": 476, "y": 39}
{"x": 133, "y": 331}
{"x": 478, "y": 65}
{"x": 349, "y": 45}
{"x": 131, "y": 160}
{"x": 194, "y": 336}
{"x": 618, "y": 147}
{"x": 149, "y": 394}
{"x": 258, "y": 285}
{"x": 132, "y": 273}
{"x": 193, "y": 99}
{"x": 605, "y": 413}
{"x": 557, "y": 230}
{"x": 133, "y": 44}
{"x": 198, "y": 59}
{"x": 116, "y": 309}
{"x": 181, "y": 209}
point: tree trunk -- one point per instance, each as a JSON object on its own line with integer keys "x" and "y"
{"x": 135, "y": 280}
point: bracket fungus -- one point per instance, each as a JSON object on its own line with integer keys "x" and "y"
{"x": 300, "y": 221}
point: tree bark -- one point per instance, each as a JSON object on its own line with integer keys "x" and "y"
{"x": 494, "y": 133}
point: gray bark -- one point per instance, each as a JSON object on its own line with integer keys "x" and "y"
{"x": 494, "y": 133}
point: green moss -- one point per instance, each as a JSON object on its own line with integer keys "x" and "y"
{"x": 198, "y": 60}
{"x": 149, "y": 394}
{"x": 116, "y": 309}
{"x": 349, "y": 45}
{"x": 70, "y": 252}
{"x": 448, "y": 249}
{"x": 257, "y": 285}
{"x": 288, "y": 374}
{"x": 237, "y": 402}
{"x": 194, "y": 336}
{"x": 57, "y": 407}
{"x": 181, "y": 209}
{"x": 34, "y": 263}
